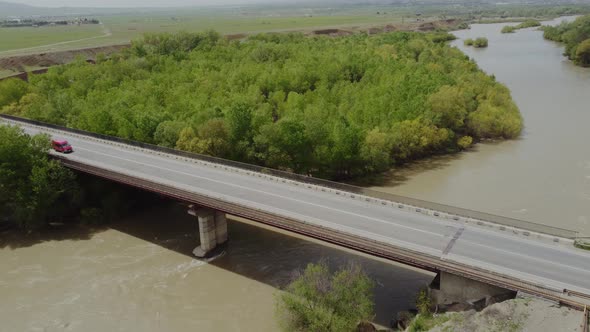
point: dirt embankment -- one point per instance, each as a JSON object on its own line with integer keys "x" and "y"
{"x": 527, "y": 314}
{"x": 22, "y": 64}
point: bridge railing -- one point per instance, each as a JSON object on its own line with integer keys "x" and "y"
{"x": 452, "y": 210}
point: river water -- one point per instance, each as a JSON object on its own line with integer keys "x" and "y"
{"x": 139, "y": 275}
{"x": 544, "y": 176}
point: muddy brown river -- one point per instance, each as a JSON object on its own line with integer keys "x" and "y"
{"x": 139, "y": 275}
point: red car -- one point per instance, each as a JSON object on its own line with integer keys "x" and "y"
{"x": 61, "y": 146}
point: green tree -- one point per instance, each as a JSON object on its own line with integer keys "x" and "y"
{"x": 583, "y": 53}
{"x": 480, "y": 42}
{"x": 376, "y": 151}
{"x": 508, "y": 29}
{"x": 449, "y": 105}
{"x": 167, "y": 133}
{"x": 528, "y": 24}
{"x": 319, "y": 301}
{"x": 575, "y": 35}
{"x": 12, "y": 90}
{"x": 34, "y": 189}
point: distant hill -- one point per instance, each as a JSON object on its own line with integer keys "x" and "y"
{"x": 16, "y": 9}
{"x": 10, "y": 9}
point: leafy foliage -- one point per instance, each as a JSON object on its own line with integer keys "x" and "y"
{"x": 11, "y": 91}
{"x": 576, "y": 36}
{"x": 480, "y": 42}
{"x": 508, "y": 29}
{"x": 33, "y": 188}
{"x": 529, "y": 24}
{"x": 322, "y": 302}
{"x": 523, "y": 25}
{"x": 327, "y": 107}
{"x": 423, "y": 303}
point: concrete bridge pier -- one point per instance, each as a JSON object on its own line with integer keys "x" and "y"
{"x": 212, "y": 230}
{"x": 448, "y": 289}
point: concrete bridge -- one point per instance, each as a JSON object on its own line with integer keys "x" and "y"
{"x": 469, "y": 250}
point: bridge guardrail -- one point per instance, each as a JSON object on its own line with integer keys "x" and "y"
{"x": 461, "y": 212}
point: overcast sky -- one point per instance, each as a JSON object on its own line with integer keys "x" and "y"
{"x": 135, "y": 3}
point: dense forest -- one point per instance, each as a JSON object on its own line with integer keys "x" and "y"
{"x": 576, "y": 36}
{"x": 323, "y": 106}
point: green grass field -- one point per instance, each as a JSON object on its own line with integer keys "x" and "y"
{"x": 19, "y": 38}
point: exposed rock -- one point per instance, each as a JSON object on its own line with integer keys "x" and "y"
{"x": 521, "y": 314}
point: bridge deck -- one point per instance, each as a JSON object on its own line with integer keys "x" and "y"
{"x": 433, "y": 242}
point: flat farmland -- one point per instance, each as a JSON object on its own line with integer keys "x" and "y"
{"x": 118, "y": 29}
{"x": 29, "y": 37}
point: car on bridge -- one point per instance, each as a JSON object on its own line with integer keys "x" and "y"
{"x": 61, "y": 146}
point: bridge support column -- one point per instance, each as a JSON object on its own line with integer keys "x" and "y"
{"x": 220, "y": 228}
{"x": 448, "y": 289}
{"x": 212, "y": 230}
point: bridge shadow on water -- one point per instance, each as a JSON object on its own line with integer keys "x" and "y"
{"x": 271, "y": 256}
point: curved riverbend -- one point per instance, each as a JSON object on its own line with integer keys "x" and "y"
{"x": 542, "y": 177}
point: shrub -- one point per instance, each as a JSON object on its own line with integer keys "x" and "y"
{"x": 528, "y": 24}
{"x": 464, "y": 142}
{"x": 480, "y": 42}
{"x": 508, "y": 29}
{"x": 319, "y": 301}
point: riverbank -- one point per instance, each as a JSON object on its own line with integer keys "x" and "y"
{"x": 522, "y": 314}
{"x": 541, "y": 177}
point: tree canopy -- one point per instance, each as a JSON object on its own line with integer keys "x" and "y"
{"x": 319, "y": 301}
{"x": 34, "y": 189}
{"x": 480, "y": 42}
{"x": 576, "y": 36}
{"x": 323, "y": 106}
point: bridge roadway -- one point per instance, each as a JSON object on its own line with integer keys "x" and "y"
{"x": 541, "y": 267}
